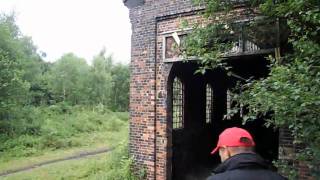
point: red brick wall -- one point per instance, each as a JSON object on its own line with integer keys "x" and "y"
{"x": 148, "y": 136}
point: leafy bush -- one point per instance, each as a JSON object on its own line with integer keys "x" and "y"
{"x": 24, "y": 145}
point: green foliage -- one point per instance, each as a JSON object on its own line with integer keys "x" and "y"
{"x": 100, "y": 82}
{"x": 286, "y": 168}
{"x": 209, "y": 44}
{"x": 18, "y": 54}
{"x": 118, "y": 166}
{"x": 13, "y": 88}
{"x": 120, "y": 90}
{"x": 26, "y": 80}
{"x": 9, "y": 35}
{"x": 73, "y": 81}
{"x": 109, "y": 83}
{"x": 49, "y": 106}
{"x": 55, "y": 127}
{"x": 291, "y": 91}
{"x": 114, "y": 165}
{"x": 67, "y": 78}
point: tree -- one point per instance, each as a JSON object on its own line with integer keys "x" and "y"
{"x": 100, "y": 82}
{"x": 120, "y": 93}
{"x": 9, "y": 35}
{"x": 292, "y": 88}
{"x": 22, "y": 52}
{"x": 67, "y": 79}
{"x": 13, "y": 88}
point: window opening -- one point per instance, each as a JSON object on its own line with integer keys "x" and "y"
{"x": 209, "y": 103}
{"x": 231, "y": 104}
{"x": 178, "y": 104}
{"x": 241, "y": 110}
{"x": 229, "y": 101}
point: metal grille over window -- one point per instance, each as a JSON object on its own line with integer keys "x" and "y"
{"x": 228, "y": 116}
{"x": 209, "y": 105}
{"x": 177, "y": 104}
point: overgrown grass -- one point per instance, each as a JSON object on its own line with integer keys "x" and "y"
{"x": 115, "y": 165}
{"x": 57, "y": 127}
{"x": 47, "y": 133}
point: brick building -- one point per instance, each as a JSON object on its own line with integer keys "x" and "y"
{"x": 176, "y": 115}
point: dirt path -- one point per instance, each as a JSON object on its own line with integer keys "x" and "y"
{"x": 72, "y": 157}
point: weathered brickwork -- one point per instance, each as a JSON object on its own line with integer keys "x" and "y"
{"x": 148, "y": 127}
{"x": 150, "y": 130}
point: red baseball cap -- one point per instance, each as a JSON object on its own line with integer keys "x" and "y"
{"x": 231, "y": 137}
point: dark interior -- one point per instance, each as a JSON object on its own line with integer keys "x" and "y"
{"x": 192, "y": 144}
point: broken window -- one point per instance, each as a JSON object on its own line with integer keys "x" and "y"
{"x": 177, "y": 104}
{"x": 209, "y": 105}
{"x": 172, "y": 44}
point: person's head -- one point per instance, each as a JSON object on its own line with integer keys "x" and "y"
{"x": 234, "y": 141}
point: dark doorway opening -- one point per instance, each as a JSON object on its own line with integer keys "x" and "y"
{"x": 199, "y": 104}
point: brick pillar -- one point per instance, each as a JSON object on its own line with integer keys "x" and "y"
{"x": 142, "y": 92}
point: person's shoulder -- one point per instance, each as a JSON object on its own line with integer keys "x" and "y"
{"x": 264, "y": 174}
{"x": 240, "y": 174}
{"x": 216, "y": 177}
{"x": 277, "y": 176}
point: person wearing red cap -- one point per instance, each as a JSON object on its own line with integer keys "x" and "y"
{"x": 239, "y": 161}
